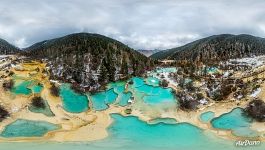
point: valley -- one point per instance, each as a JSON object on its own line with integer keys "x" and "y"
{"x": 90, "y": 88}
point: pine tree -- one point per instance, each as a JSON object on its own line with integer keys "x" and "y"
{"x": 103, "y": 74}
{"x": 124, "y": 65}
{"x": 110, "y": 65}
{"x": 135, "y": 65}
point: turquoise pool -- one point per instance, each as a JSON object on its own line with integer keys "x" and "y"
{"x": 22, "y": 88}
{"x": 46, "y": 111}
{"x": 146, "y": 96}
{"x": 137, "y": 82}
{"x": 118, "y": 87}
{"x": 130, "y": 133}
{"x": 160, "y": 96}
{"x": 235, "y": 121}
{"x": 27, "y": 128}
{"x": 36, "y": 88}
{"x": 123, "y": 98}
{"x": 101, "y": 100}
{"x": 155, "y": 95}
{"x": 26, "y": 87}
{"x": 163, "y": 120}
{"x": 136, "y": 134}
{"x": 110, "y": 96}
{"x": 166, "y": 70}
{"x": 73, "y": 102}
{"x": 152, "y": 81}
{"x": 212, "y": 70}
{"x": 140, "y": 89}
{"x": 115, "y": 94}
{"x": 207, "y": 116}
{"x": 187, "y": 80}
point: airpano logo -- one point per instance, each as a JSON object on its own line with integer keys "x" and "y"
{"x": 247, "y": 143}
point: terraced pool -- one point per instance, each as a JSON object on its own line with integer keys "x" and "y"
{"x": 22, "y": 87}
{"x": 236, "y": 121}
{"x": 101, "y": 100}
{"x": 73, "y": 102}
{"x": 207, "y": 116}
{"x": 28, "y": 128}
{"x": 26, "y": 87}
{"x": 130, "y": 133}
{"x": 46, "y": 110}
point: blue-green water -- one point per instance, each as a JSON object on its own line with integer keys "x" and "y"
{"x": 147, "y": 89}
{"x": 137, "y": 82}
{"x": 152, "y": 81}
{"x": 207, "y": 116}
{"x": 166, "y": 70}
{"x": 235, "y": 121}
{"x": 73, "y": 102}
{"x": 163, "y": 120}
{"x": 160, "y": 95}
{"x": 26, "y": 87}
{"x": 130, "y": 133}
{"x": 101, "y": 100}
{"x": 146, "y": 96}
{"x": 27, "y": 128}
{"x": 124, "y": 97}
{"x": 187, "y": 80}
{"x": 110, "y": 96}
{"x": 46, "y": 111}
{"x": 117, "y": 94}
{"x": 118, "y": 87}
{"x": 98, "y": 101}
{"x": 22, "y": 88}
{"x": 136, "y": 134}
{"x": 37, "y": 88}
{"x": 154, "y": 95}
{"x": 212, "y": 70}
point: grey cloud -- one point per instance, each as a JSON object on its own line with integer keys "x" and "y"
{"x": 141, "y": 24}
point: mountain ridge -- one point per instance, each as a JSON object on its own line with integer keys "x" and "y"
{"x": 219, "y": 47}
{"x": 89, "y": 59}
{"x": 6, "y": 48}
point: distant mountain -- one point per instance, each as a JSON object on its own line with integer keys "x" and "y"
{"x": 7, "y": 49}
{"x": 89, "y": 59}
{"x": 148, "y": 52}
{"x": 216, "y": 47}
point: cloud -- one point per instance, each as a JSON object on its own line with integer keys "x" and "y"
{"x": 141, "y": 24}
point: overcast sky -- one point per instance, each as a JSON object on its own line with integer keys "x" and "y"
{"x": 141, "y": 24}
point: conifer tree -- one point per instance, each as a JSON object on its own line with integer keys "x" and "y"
{"x": 103, "y": 74}
{"x": 124, "y": 65}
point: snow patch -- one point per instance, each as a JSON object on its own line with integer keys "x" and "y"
{"x": 256, "y": 92}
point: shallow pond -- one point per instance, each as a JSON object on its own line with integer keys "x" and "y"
{"x": 163, "y": 120}
{"x": 124, "y": 98}
{"x": 73, "y": 102}
{"x": 101, "y": 100}
{"x": 46, "y": 111}
{"x": 36, "y": 88}
{"x": 28, "y": 128}
{"x": 137, "y": 82}
{"x": 22, "y": 87}
{"x": 236, "y": 121}
{"x": 212, "y": 70}
{"x": 166, "y": 70}
{"x": 152, "y": 81}
{"x": 207, "y": 116}
{"x": 130, "y": 133}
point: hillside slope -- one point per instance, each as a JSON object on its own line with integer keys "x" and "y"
{"x": 89, "y": 59}
{"x": 217, "y": 47}
{"x": 7, "y": 49}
